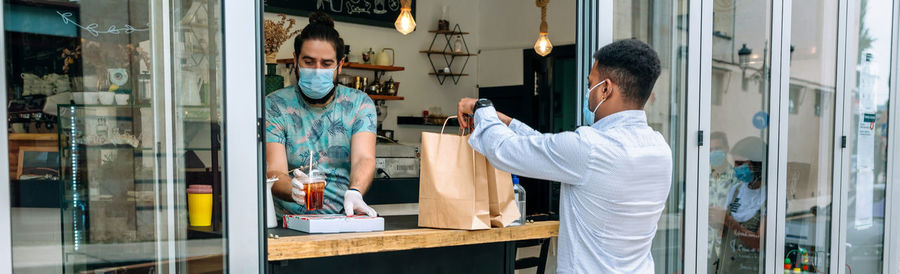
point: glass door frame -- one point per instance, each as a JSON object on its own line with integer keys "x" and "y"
{"x": 775, "y": 131}
{"x": 5, "y": 221}
{"x": 242, "y": 74}
{"x": 891, "y": 241}
{"x": 892, "y": 208}
{"x": 698, "y": 128}
{"x": 243, "y": 136}
{"x": 696, "y": 154}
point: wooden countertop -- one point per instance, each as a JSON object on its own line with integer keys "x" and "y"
{"x": 326, "y": 245}
{"x": 33, "y": 136}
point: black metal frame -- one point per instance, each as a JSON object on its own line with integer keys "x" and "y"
{"x": 442, "y": 77}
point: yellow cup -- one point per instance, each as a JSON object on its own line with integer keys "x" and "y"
{"x": 200, "y": 200}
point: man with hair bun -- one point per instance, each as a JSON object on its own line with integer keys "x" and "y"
{"x": 332, "y": 124}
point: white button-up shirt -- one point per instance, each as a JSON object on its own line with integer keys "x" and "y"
{"x": 615, "y": 177}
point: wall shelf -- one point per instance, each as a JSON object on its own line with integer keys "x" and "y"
{"x": 385, "y": 97}
{"x": 353, "y": 66}
{"x": 379, "y": 70}
{"x": 448, "y": 74}
{"x": 445, "y": 50}
{"x": 448, "y": 32}
{"x": 449, "y": 53}
{"x": 419, "y": 121}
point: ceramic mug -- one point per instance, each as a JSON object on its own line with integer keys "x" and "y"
{"x": 122, "y": 99}
{"x": 107, "y": 98}
{"x": 91, "y": 97}
{"x": 78, "y": 97}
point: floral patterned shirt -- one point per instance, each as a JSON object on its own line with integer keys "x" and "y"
{"x": 324, "y": 131}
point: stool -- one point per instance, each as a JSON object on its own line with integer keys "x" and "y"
{"x": 529, "y": 262}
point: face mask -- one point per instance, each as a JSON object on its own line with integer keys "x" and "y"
{"x": 744, "y": 174}
{"x": 316, "y": 83}
{"x": 716, "y": 157}
{"x": 586, "y": 114}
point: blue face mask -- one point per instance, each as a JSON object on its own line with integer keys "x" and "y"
{"x": 316, "y": 83}
{"x": 716, "y": 158}
{"x": 586, "y": 114}
{"x": 744, "y": 174}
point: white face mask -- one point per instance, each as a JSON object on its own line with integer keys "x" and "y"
{"x": 586, "y": 114}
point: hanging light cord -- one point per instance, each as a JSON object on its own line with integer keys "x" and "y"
{"x": 543, "y": 5}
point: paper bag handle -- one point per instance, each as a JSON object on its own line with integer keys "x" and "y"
{"x": 460, "y": 134}
{"x": 461, "y": 131}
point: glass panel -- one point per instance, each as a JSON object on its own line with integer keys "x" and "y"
{"x": 663, "y": 25}
{"x": 868, "y": 49}
{"x": 198, "y": 121}
{"x": 106, "y": 155}
{"x": 810, "y": 135}
{"x": 738, "y": 140}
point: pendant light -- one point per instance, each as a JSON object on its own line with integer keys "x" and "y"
{"x": 405, "y": 22}
{"x": 543, "y": 45}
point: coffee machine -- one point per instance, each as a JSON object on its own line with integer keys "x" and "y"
{"x": 384, "y": 135}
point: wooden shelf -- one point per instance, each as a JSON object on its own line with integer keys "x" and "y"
{"x": 448, "y": 74}
{"x": 372, "y": 67}
{"x": 419, "y": 121}
{"x": 33, "y": 136}
{"x": 449, "y": 32}
{"x": 353, "y": 66}
{"x": 385, "y": 97}
{"x": 450, "y": 53}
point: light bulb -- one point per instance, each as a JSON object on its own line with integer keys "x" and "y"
{"x": 405, "y": 22}
{"x": 543, "y": 45}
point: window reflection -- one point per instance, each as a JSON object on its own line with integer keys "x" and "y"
{"x": 741, "y": 53}
{"x": 662, "y": 24}
{"x": 810, "y": 139}
{"x": 867, "y": 132}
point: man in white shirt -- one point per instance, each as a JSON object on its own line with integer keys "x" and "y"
{"x": 615, "y": 174}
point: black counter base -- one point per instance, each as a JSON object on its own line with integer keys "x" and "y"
{"x": 483, "y": 258}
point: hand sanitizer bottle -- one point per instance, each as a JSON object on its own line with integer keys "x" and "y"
{"x": 520, "y": 200}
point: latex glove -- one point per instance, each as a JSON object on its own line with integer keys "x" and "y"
{"x": 353, "y": 202}
{"x": 297, "y": 192}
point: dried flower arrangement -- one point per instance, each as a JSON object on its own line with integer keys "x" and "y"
{"x": 276, "y": 33}
{"x": 69, "y": 57}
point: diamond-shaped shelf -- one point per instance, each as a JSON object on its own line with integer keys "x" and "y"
{"x": 449, "y": 54}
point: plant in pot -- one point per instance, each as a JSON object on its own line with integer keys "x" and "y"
{"x": 276, "y": 33}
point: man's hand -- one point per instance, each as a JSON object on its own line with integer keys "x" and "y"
{"x": 464, "y": 107}
{"x": 297, "y": 192}
{"x": 353, "y": 203}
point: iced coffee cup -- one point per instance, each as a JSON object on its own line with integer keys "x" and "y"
{"x": 314, "y": 186}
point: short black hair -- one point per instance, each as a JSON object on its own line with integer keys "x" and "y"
{"x": 632, "y": 65}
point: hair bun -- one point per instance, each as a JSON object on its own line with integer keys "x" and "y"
{"x": 320, "y": 17}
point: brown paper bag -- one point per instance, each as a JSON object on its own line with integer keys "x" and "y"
{"x": 452, "y": 191}
{"x": 501, "y": 196}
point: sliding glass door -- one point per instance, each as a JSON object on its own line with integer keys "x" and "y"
{"x": 867, "y": 102}
{"x": 664, "y": 26}
{"x": 117, "y": 120}
{"x": 810, "y": 114}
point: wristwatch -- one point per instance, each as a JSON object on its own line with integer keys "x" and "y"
{"x": 482, "y": 103}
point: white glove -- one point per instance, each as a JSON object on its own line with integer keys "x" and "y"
{"x": 297, "y": 192}
{"x": 353, "y": 202}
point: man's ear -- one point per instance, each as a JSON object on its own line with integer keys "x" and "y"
{"x": 340, "y": 65}
{"x": 607, "y": 89}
